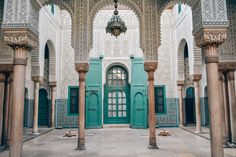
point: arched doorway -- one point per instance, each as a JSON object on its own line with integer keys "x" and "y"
{"x": 190, "y": 106}
{"x": 43, "y": 112}
{"x": 26, "y": 100}
{"x": 116, "y": 96}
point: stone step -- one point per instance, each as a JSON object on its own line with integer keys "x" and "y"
{"x": 116, "y": 126}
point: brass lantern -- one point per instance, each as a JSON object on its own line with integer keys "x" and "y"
{"x": 116, "y": 25}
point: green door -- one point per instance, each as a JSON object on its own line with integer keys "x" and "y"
{"x": 116, "y": 97}
{"x": 92, "y": 109}
{"x": 138, "y": 94}
{"x": 43, "y": 108}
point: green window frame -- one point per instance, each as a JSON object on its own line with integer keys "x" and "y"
{"x": 73, "y": 101}
{"x": 179, "y": 8}
{"x": 53, "y": 9}
{"x": 160, "y": 99}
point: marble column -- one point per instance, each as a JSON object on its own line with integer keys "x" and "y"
{"x": 37, "y": 80}
{"x": 2, "y": 91}
{"x": 82, "y": 69}
{"x": 181, "y": 109}
{"x": 6, "y": 109}
{"x": 10, "y": 109}
{"x": 20, "y": 62}
{"x": 221, "y": 94}
{"x": 53, "y": 86}
{"x": 150, "y": 68}
{"x": 232, "y": 100}
{"x": 211, "y": 60}
{"x": 196, "y": 79}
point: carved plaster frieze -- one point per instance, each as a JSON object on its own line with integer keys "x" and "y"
{"x": 227, "y": 66}
{"x": 210, "y": 36}
{"x": 6, "y": 67}
{"x": 37, "y": 79}
{"x": 19, "y": 38}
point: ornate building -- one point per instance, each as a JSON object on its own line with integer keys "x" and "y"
{"x": 174, "y": 67}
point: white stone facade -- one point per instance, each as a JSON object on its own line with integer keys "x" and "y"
{"x": 174, "y": 28}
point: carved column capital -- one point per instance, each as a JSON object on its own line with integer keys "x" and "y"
{"x": 197, "y": 77}
{"x": 82, "y": 69}
{"x": 150, "y": 68}
{"x": 180, "y": 83}
{"x": 20, "y": 56}
{"x": 37, "y": 79}
{"x": 231, "y": 76}
{"x": 53, "y": 84}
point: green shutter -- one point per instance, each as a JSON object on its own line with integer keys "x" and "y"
{"x": 93, "y": 113}
{"x": 138, "y": 94}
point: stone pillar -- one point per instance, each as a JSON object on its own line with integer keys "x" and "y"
{"x": 82, "y": 69}
{"x": 221, "y": 94}
{"x": 6, "y": 109}
{"x": 10, "y": 108}
{"x": 2, "y": 91}
{"x": 37, "y": 81}
{"x": 150, "y": 68}
{"x": 53, "y": 86}
{"x": 196, "y": 79}
{"x": 211, "y": 60}
{"x": 181, "y": 109}
{"x": 20, "y": 61}
{"x": 232, "y": 100}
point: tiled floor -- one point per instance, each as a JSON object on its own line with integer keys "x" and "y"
{"x": 119, "y": 142}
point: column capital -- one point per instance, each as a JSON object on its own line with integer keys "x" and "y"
{"x": 197, "y": 77}
{"x": 82, "y": 69}
{"x": 37, "y": 78}
{"x": 53, "y": 84}
{"x": 230, "y": 75}
{"x": 150, "y": 68}
{"x": 20, "y": 56}
{"x": 2, "y": 77}
{"x": 180, "y": 83}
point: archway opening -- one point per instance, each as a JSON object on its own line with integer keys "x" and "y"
{"x": 116, "y": 96}
{"x": 43, "y": 112}
{"x": 190, "y": 106}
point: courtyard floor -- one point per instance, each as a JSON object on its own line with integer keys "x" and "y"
{"x": 119, "y": 142}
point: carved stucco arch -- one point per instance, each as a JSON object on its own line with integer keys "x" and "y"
{"x": 181, "y": 47}
{"x": 60, "y": 3}
{"x": 104, "y": 3}
{"x": 52, "y": 60}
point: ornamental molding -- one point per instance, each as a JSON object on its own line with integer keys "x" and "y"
{"x": 196, "y": 77}
{"x": 37, "y": 79}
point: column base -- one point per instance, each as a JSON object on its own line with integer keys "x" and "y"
{"x": 181, "y": 126}
{"x": 153, "y": 147}
{"x": 35, "y": 132}
{"x": 81, "y": 144}
{"x": 198, "y": 132}
{"x": 152, "y": 144}
{"x": 233, "y": 145}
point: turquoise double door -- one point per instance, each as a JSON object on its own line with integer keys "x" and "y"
{"x": 123, "y": 103}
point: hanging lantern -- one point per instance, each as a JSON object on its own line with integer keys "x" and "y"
{"x": 116, "y": 25}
